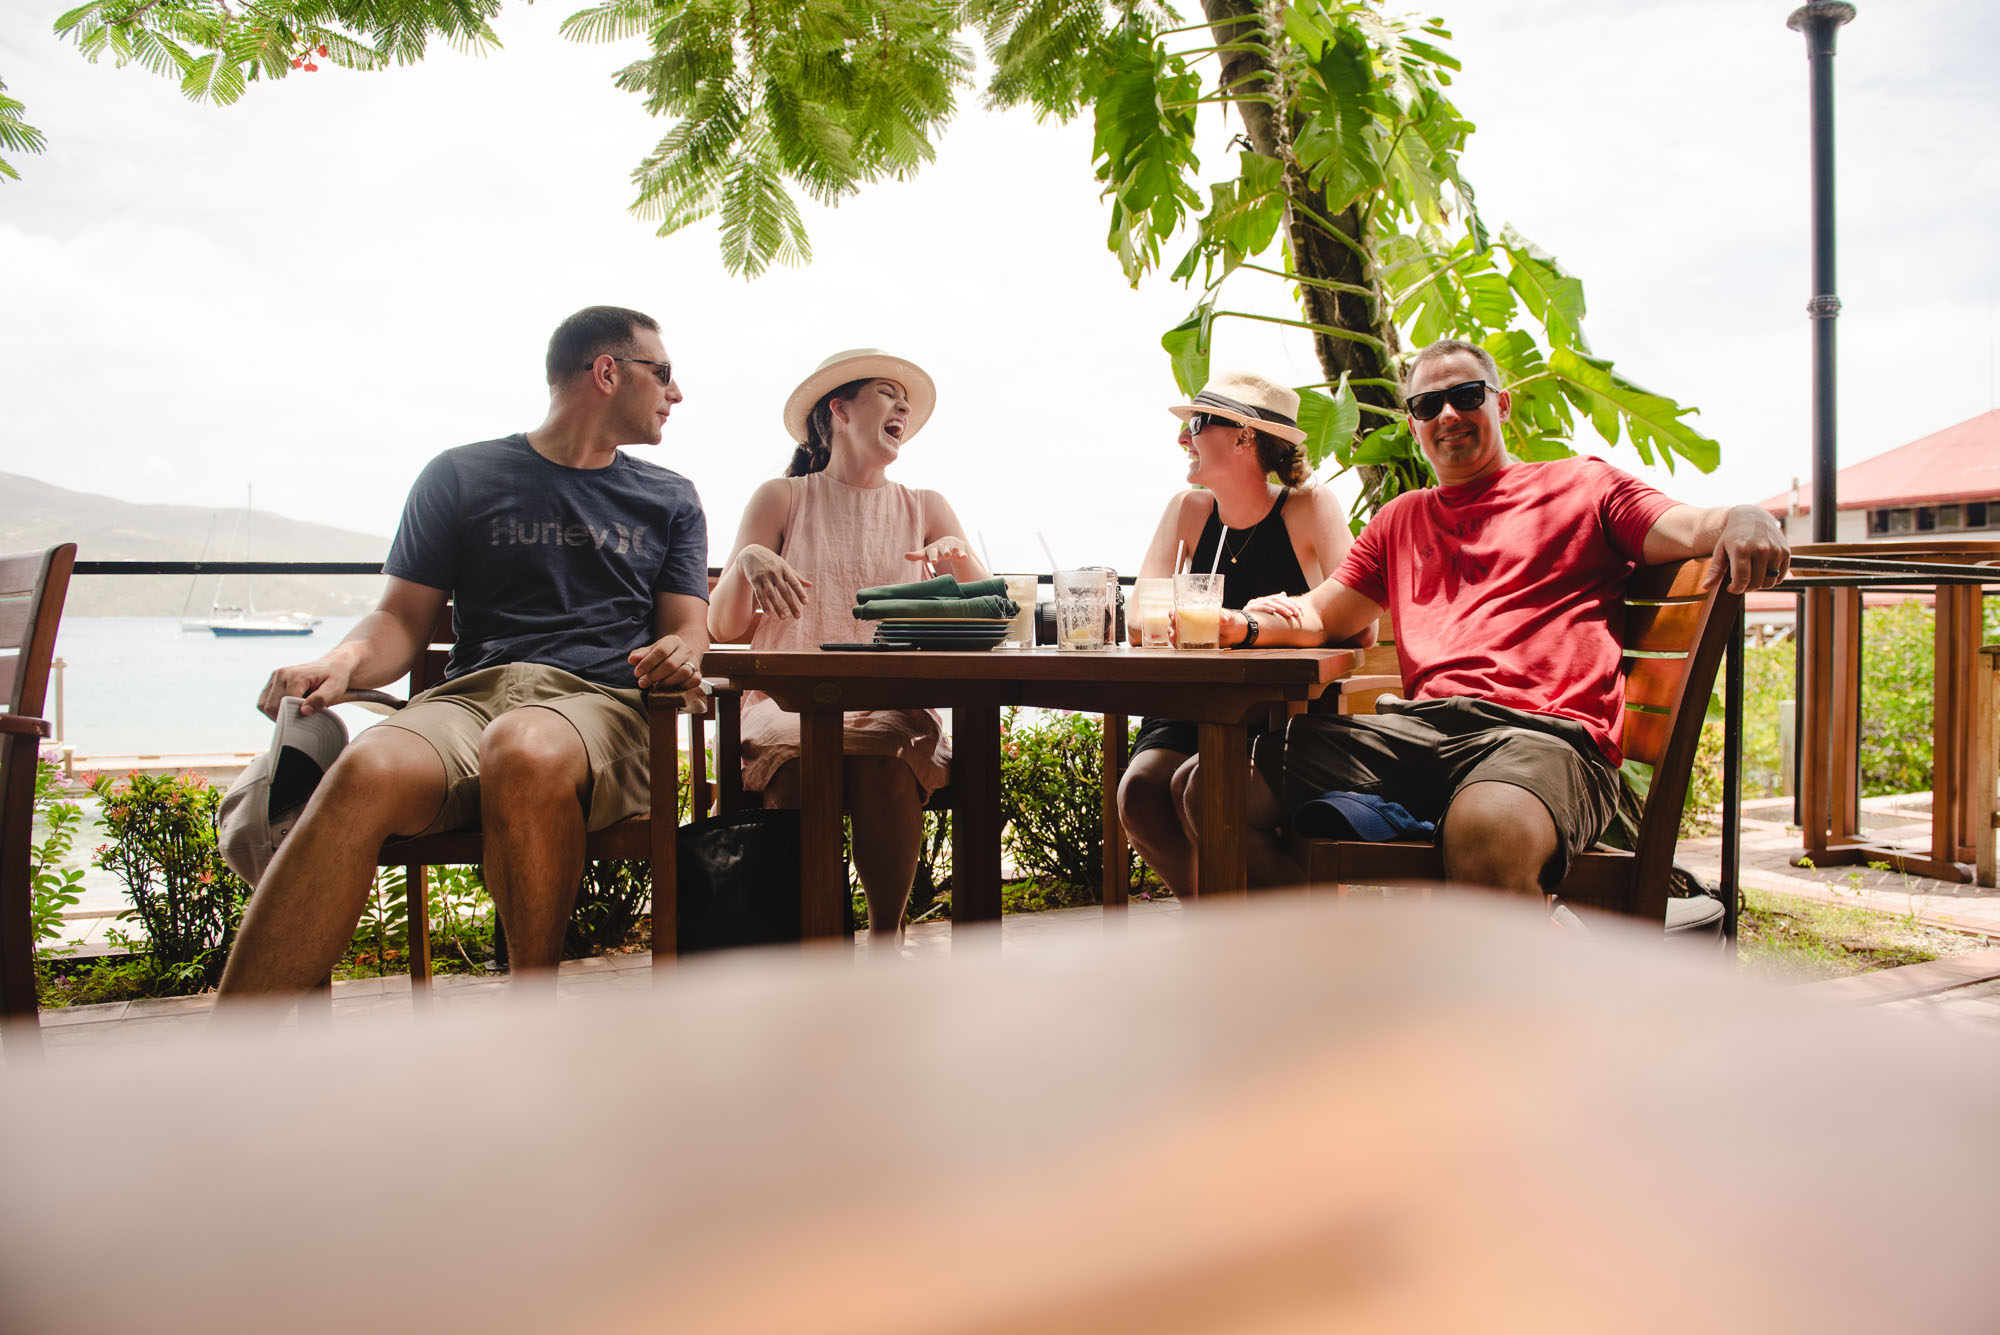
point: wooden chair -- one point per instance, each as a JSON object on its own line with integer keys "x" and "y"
{"x": 1675, "y": 635}
{"x": 32, "y": 588}
{"x": 637, "y": 838}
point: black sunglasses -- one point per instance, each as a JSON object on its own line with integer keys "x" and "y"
{"x": 1200, "y": 422}
{"x": 1467, "y": 396}
{"x": 663, "y": 370}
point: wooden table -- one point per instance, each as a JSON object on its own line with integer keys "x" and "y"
{"x": 1830, "y": 732}
{"x": 1221, "y": 690}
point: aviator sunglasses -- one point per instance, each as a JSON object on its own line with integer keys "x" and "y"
{"x": 662, "y": 371}
{"x": 1467, "y": 396}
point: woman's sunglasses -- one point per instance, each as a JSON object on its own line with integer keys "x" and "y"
{"x": 1200, "y": 422}
{"x": 1467, "y": 396}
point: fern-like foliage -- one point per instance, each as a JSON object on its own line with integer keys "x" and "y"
{"x": 214, "y": 50}
{"x": 778, "y": 99}
{"x": 16, "y": 135}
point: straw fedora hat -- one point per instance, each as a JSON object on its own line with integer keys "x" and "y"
{"x": 861, "y": 364}
{"x": 1251, "y": 400}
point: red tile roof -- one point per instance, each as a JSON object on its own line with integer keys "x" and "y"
{"x": 1959, "y": 463}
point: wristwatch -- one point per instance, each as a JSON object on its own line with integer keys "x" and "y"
{"x": 1249, "y": 630}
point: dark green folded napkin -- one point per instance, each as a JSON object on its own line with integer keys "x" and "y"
{"x": 944, "y": 586}
{"x": 890, "y": 608}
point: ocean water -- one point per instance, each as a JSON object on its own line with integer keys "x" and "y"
{"x": 143, "y": 686}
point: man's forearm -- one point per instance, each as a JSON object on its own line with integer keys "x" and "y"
{"x": 377, "y": 651}
{"x": 1272, "y": 632}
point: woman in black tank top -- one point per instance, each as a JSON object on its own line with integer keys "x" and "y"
{"x": 1240, "y": 432}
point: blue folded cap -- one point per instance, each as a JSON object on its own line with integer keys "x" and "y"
{"x": 1341, "y": 815}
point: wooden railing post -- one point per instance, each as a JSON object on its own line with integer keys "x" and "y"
{"x": 1986, "y": 765}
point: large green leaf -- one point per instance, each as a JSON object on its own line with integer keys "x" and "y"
{"x": 1329, "y": 424}
{"x": 1652, "y": 421}
{"x": 1552, "y": 296}
{"x": 1338, "y": 95}
{"x": 1144, "y": 149}
{"x": 1187, "y": 345}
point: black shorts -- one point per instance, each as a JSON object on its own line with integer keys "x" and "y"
{"x": 1420, "y": 753}
{"x": 1172, "y": 734}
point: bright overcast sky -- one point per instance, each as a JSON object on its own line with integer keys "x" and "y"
{"x": 317, "y": 289}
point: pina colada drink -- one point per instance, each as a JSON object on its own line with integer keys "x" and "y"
{"x": 1200, "y": 627}
{"x": 1156, "y": 626}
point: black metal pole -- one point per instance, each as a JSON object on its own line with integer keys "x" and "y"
{"x": 1819, "y": 21}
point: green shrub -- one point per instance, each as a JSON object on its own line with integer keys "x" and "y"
{"x": 1897, "y": 696}
{"x": 183, "y": 894}
{"x": 1898, "y": 648}
{"x": 1051, "y": 798}
{"x": 612, "y": 899}
{"x": 52, "y": 889}
{"x": 461, "y": 918}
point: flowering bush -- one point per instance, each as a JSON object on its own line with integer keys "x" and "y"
{"x": 184, "y": 895}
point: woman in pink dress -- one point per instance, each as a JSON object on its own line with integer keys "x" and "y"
{"x": 834, "y": 524}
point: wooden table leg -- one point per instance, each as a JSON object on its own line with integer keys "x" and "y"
{"x": 975, "y": 816}
{"x": 823, "y": 897}
{"x": 1223, "y": 792}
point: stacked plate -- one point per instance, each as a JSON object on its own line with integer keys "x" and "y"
{"x": 944, "y": 632}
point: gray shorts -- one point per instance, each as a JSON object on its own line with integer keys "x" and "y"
{"x": 1421, "y": 752}
{"x": 611, "y": 720}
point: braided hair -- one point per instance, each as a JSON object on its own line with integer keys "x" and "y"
{"x": 816, "y": 450}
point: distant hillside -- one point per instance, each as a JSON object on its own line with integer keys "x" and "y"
{"x": 36, "y": 514}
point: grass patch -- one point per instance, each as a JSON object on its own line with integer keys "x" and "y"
{"x": 1796, "y": 939}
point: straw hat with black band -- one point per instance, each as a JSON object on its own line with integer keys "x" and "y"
{"x": 1250, "y": 400}
{"x": 862, "y": 364}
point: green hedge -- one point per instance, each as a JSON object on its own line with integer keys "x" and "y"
{"x": 1897, "y": 696}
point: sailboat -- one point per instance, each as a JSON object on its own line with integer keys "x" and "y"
{"x": 230, "y": 621}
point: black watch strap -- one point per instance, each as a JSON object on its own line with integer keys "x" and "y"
{"x": 1249, "y": 630}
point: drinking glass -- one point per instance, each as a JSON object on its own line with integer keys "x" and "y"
{"x": 1153, "y": 605}
{"x": 1112, "y": 599}
{"x": 1023, "y": 589}
{"x": 1198, "y": 611}
{"x": 1080, "y": 609}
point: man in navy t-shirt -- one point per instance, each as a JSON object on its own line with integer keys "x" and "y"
{"x": 578, "y": 576}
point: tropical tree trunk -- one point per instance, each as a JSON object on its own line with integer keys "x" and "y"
{"x": 1339, "y": 287}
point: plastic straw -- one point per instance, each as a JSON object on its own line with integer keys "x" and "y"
{"x": 1053, "y": 564}
{"x": 1219, "y": 542}
{"x": 1180, "y": 553}
{"x": 986, "y": 552}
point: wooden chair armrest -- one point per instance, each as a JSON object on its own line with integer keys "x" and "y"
{"x": 23, "y": 725}
{"x": 1387, "y": 681}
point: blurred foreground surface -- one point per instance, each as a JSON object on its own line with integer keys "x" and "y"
{"x": 1283, "y": 1116}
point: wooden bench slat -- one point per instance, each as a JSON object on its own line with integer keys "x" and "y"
{"x": 1645, "y": 736}
{"x": 1656, "y": 681}
{"x": 1662, "y": 627}
{"x": 17, "y": 615}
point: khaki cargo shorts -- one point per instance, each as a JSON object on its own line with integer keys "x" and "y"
{"x": 610, "y": 720}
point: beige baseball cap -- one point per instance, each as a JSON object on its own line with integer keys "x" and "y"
{"x": 267, "y": 798}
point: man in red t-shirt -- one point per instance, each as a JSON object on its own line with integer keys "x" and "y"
{"x": 1507, "y": 581}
